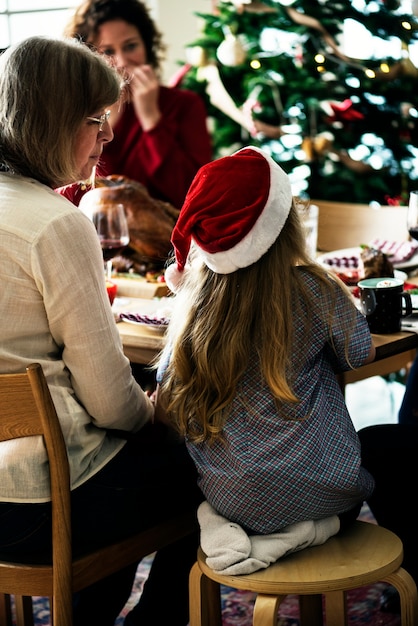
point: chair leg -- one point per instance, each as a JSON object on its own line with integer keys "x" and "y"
{"x": 407, "y": 589}
{"x": 310, "y": 610}
{"x": 336, "y": 608}
{"x": 205, "y": 599}
{"x": 265, "y": 609}
{"x": 24, "y": 611}
{"x": 5, "y": 610}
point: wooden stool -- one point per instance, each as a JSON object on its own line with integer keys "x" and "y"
{"x": 363, "y": 554}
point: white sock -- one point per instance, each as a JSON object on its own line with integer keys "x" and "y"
{"x": 223, "y": 542}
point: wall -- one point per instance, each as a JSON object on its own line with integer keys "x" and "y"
{"x": 179, "y": 26}
{"x": 175, "y": 19}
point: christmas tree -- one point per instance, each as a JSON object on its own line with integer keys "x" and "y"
{"x": 275, "y": 74}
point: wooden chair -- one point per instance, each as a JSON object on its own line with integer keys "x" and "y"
{"x": 362, "y": 555}
{"x": 27, "y": 409}
{"x": 348, "y": 225}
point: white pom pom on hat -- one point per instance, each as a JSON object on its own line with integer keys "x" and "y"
{"x": 234, "y": 211}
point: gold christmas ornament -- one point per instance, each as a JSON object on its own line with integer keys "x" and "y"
{"x": 196, "y": 56}
{"x": 322, "y": 144}
{"x": 307, "y": 147}
{"x": 231, "y": 51}
{"x": 317, "y": 146}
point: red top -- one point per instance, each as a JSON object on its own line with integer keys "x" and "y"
{"x": 164, "y": 159}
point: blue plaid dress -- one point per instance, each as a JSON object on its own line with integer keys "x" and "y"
{"x": 275, "y": 470}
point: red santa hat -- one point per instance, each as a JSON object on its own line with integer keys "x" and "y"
{"x": 233, "y": 212}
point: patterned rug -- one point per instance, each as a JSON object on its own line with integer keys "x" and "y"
{"x": 237, "y": 606}
{"x": 363, "y": 606}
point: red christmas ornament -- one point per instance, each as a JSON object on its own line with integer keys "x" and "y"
{"x": 393, "y": 201}
{"x": 345, "y": 112}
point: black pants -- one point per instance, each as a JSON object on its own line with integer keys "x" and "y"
{"x": 390, "y": 453}
{"x": 151, "y": 479}
{"x": 408, "y": 412}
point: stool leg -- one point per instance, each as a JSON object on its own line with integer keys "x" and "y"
{"x": 265, "y": 609}
{"x": 310, "y": 610}
{"x": 205, "y": 599}
{"x": 405, "y": 585}
{"x": 336, "y": 608}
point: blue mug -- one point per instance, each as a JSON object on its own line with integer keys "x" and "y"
{"x": 384, "y": 302}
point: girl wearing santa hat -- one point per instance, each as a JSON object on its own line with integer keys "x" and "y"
{"x": 257, "y": 335}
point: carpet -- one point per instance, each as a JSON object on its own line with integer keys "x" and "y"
{"x": 363, "y": 604}
{"x": 237, "y": 606}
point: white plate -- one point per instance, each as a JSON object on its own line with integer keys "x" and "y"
{"x": 353, "y": 256}
{"x": 410, "y": 263}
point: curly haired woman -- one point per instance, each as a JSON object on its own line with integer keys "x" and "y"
{"x": 161, "y": 137}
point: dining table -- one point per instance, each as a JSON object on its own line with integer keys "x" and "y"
{"x": 142, "y": 343}
{"x": 392, "y": 351}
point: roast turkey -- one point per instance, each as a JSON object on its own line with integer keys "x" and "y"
{"x": 150, "y": 223}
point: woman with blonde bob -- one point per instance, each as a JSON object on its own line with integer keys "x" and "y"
{"x": 258, "y": 332}
{"x": 41, "y": 113}
{"x": 54, "y": 101}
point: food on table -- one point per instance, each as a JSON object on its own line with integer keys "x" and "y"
{"x": 346, "y": 267}
{"x": 155, "y": 276}
{"x": 375, "y": 263}
{"x": 150, "y": 224}
{"x": 367, "y": 263}
{"x": 159, "y": 319}
{"x": 146, "y": 320}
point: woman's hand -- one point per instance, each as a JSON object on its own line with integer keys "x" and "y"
{"x": 144, "y": 88}
{"x": 141, "y": 88}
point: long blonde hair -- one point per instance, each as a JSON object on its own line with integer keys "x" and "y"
{"x": 222, "y": 320}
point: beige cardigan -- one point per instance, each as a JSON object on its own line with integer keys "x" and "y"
{"x": 54, "y": 310}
